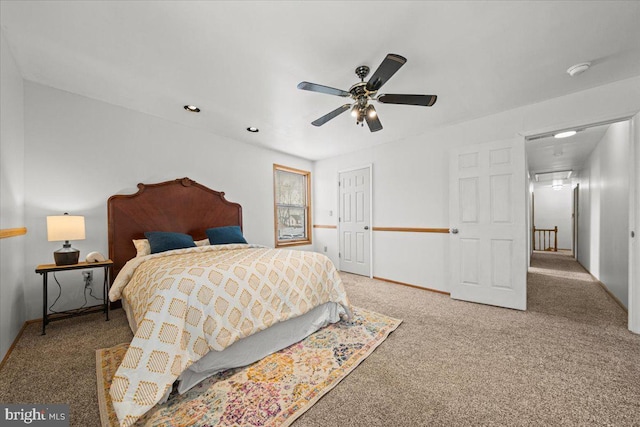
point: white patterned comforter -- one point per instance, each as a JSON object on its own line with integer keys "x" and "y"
{"x": 188, "y": 302}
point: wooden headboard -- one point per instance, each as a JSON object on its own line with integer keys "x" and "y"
{"x": 181, "y": 205}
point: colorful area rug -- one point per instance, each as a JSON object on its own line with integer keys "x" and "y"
{"x": 271, "y": 392}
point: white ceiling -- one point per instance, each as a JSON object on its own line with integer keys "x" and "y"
{"x": 551, "y": 154}
{"x": 240, "y": 61}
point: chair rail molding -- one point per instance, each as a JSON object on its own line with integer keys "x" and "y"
{"x": 12, "y": 232}
{"x": 412, "y": 229}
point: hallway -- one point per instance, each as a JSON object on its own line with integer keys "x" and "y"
{"x": 558, "y": 286}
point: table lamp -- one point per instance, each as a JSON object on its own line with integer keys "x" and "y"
{"x": 64, "y": 228}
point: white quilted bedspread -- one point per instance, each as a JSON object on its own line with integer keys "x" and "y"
{"x": 187, "y": 302}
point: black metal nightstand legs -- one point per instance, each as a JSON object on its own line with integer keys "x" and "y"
{"x": 44, "y": 302}
{"x": 105, "y": 290}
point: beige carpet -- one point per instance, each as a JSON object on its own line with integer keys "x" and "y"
{"x": 568, "y": 360}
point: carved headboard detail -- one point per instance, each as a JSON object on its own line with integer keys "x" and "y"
{"x": 181, "y": 205}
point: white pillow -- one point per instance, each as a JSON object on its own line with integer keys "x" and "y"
{"x": 203, "y": 242}
{"x": 142, "y": 247}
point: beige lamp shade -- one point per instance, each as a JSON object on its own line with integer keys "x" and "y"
{"x": 65, "y": 227}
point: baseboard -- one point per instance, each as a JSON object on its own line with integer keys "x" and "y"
{"x": 603, "y": 286}
{"x": 412, "y": 286}
{"x": 15, "y": 341}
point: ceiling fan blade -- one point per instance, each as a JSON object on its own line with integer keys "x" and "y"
{"x": 371, "y": 116}
{"x": 322, "y": 89}
{"x": 385, "y": 71}
{"x": 324, "y": 119}
{"x": 424, "y": 100}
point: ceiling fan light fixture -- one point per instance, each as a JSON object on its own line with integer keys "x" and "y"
{"x": 565, "y": 134}
{"x": 365, "y": 92}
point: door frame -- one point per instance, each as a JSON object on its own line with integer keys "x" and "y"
{"x": 532, "y": 234}
{"x": 633, "y": 322}
{"x": 370, "y": 167}
{"x": 575, "y": 219}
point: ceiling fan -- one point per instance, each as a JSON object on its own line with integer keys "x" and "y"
{"x": 364, "y": 92}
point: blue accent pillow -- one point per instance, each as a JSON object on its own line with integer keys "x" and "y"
{"x": 225, "y": 235}
{"x": 161, "y": 241}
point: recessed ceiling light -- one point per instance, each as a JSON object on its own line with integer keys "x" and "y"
{"x": 565, "y": 134}
{"x": 574, "y": 70}
{"x": 253, "y": 129}
{"x": 192, "y": 108}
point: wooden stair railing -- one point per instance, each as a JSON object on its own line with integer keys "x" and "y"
{"x": 544, "y": 237}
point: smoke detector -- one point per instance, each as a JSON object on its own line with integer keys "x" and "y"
{"x": 574, "y": 70}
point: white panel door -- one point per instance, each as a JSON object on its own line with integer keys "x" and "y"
{"x": 353, "y": 222}
{"x": 488, "y": 210}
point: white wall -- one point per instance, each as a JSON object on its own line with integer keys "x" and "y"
{"x": 604, "y": 211}
{"x": 553, "y": 208}
{"x": 413, "y": 258}
{"x": 80, "y": 151}
{"x": 12, "y": 302}
{"x": 589, "y": 217}
{"x": 411, "y": 186}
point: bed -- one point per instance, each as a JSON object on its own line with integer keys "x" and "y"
{"x": 201, "y": 309}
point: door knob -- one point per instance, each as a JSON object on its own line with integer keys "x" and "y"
{"x": 453, "y": 230}
{"x": 366, "y": 227}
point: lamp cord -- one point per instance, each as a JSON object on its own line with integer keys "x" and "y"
{"x": 60, "y": 293}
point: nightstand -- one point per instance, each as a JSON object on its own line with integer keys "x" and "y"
{"x": 45, "y": 269}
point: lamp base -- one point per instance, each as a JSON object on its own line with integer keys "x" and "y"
{"x": 66, "y": 255}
